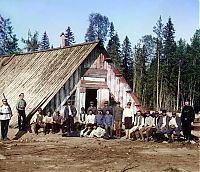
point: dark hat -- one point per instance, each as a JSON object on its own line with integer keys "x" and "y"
{"x": 99, "y": 109}
{"x": 69, "y": 101}
{"x": 173, "y": 113}
{"x": 164, "y": 111}
{"x": 129, "y": 103}
{"x": 106, "y": 102}
{"x": 4, "y": 100}
{"x": 21, "y": 94}
{"x": 147, "y": 112}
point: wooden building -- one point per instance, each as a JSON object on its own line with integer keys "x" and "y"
{"x": 82, "y": 72}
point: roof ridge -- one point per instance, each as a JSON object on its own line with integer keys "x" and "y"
{"x": 52, "y": 49}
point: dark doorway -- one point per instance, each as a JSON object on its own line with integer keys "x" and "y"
{"x": 91, "y": 95}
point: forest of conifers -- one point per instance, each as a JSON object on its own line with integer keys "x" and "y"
{"x": 161, "y": 70}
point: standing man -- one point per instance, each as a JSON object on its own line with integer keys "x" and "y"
{"x": 21, "y": 105}
{"x": 118, "y": 112}
{"x": 187, "y": 119}
{"x": 69, "y": 114}
{"x": 107, "y": 107}
{"x": 5, "y": 116}
{"x": 92, "y": 107}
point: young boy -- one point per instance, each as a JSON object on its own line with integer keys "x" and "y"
{"x": 108, "y": 122}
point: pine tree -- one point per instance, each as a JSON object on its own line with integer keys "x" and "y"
{"x": 32, "y": 43}
{"x": 127, "y": 60}
{"x": 44, "y": 42}
{"x": 113, "y": 47}
{"x": 69, "y": 37}
{"x": 98, "y": 27}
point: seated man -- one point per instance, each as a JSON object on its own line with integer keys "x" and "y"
{"x": 148, "y": 126}
{"x": 138, "y": 124}
{"x": 162, "y": 126}
{"x": 98, "y": 130}
{"x": 90, "y": 121}
{"x": 48, "y": 122}
{"x": 37, "y": 121}
{"x": 57, "y": 120}
{"x": 174, "y": 126}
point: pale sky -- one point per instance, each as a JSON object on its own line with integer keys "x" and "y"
{"x": 134, "y": 18}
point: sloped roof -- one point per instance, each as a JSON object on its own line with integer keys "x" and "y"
{"x": 39, "y": 75}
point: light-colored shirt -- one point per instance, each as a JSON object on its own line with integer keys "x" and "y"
{"x": 5, "y": 112}
{"x": 128, "y": 112}
{"x": 173, "y": 122}
{"x": 48, "y": 119}
{"x": 90, "y": 119}
{"x": 164, "y": 121}
{"x": 149, "y": 121}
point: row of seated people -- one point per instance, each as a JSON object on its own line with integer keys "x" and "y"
{"x": 155, "y": 126}
{"x": 48, "y": 122}
{"x": 144, "y": 126}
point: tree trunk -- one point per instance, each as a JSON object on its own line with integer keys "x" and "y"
{"x": 178, "y": 87}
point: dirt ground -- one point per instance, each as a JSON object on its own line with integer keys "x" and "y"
{"x": 52, "y": 152}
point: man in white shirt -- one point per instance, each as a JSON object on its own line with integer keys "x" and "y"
{"x": 138, "y": 124}
{"x": 5, "y": 116}
{"x": 174, "y": 126}
{"x": 148, "y": 126}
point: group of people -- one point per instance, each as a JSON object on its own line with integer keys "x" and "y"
{"x": 107, "y": 121}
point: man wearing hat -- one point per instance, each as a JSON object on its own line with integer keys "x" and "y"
{"x": 21, "y": 105}
{"x": 5, "y": 116}
{"x": 106, "y": 107}
{"x": 69, "y": 113}
{"x": 187, "y": 119}
{"x": 92, "y": 107}
{"x": 162, "y": 126}
{"x": 117, "y": 113}
{"x": 174, "y": 126}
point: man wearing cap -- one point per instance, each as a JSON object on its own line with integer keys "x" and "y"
{"x": 148, "y": 124}
{"x": 20, "y": 106}
{"x": 69, "y": 114}
{"x": 5, "y": 116}
{"x": 162, "y": 126}
{"x": 187, "y": 119}
{"x": 174, "y": 126}
{"x": 106, "y": 107}
{"x": 92, "y": 107}
{"x": 117, "y": 113}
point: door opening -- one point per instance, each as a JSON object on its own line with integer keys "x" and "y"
{"x": 91, "y": 95}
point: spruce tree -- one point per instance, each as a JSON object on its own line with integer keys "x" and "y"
{"x": 44, "y": 42}
{"x": 113, "y": 47}
{"x": 127, "y": 60}
{"x": 8, "y": 40}
{"x": 69, "y": 37}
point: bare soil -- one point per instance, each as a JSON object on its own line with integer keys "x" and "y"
{"x": 52, "y": 152}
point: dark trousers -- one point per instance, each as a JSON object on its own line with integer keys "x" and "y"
{"x": 186, "y": 127}
{"x": 70, "y": 124}
{"x": 56, "y": 127}
{"x": 22, "y": 120}
{"x": 47, "y": 127}
{"x": 4, "y": 128}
